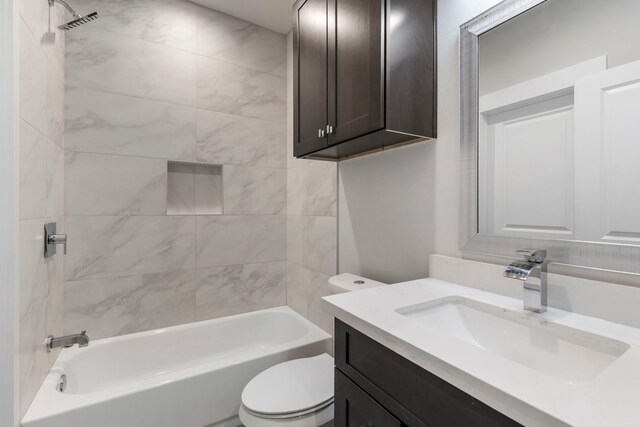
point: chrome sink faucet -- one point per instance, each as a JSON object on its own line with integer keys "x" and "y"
{"x": 532, "y": 270}
{"x": 67, "y": 341}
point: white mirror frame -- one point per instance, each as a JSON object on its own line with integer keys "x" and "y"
{"x": 600, "y": 256}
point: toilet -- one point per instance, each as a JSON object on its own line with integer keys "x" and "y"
{"x": 297, "y": 393}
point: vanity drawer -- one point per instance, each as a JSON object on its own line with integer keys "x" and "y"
{"x": 355, "y": 408}
{"x": 413, "y": 395}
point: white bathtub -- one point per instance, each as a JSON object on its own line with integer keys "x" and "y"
{"x": 184, "y": 376}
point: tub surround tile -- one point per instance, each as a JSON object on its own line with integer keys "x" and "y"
{"x": 35, "y": 14}
{"x": 230, "y": 39}
{"x": 297, "y": 239}
{"x": 116, "y": 245}
{"x": 33, "y": 170}
{"x": 33, "y": 80}
{"x": 54, "y": 38}
{"x": 236, "y": 140}
{"x": 319, "y": 288}
{"x": 297, "y": 196}
{"x": 322, "y": 184}
{"x": 54, "y": 180}
{"x": 170, "y": 23}
{"x": 114, "y": 185}
{"x": 55, "y": 102}
{"x": 122, "y": 305}
{"x": 225, "y": 291}
{"x": 234, "y": 240}
{"x": 40, "y": 280}
{"x": 100, "y": 122}
{"x": 322, "y": 243}
{"x": 249, "y": 190}
{"x": 232, "y": 89}
{"x": 298, "y": 278}
{"x": 102, "y": 60}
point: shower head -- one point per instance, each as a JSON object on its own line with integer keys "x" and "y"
{"x": 77, "y": 18}
{"x": 79, "y": 21}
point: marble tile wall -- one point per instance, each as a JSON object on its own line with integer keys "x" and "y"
{"x": 41, "y": 290}
{"x": 168, "y": 80}
{"x": 311, "y": 224}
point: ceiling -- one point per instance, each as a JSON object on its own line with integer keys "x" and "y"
{"x": 273, "y": 14}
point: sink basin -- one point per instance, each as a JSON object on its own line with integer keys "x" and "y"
{"x": 568, "y": 354}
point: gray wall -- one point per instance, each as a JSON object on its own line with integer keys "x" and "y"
{"x": 170, "y": 80}
{"x": 558, "y": 34}
{"x": 41, "y": 155}
{"x": 386, "y": 213}
{"x": 391, "y": 241}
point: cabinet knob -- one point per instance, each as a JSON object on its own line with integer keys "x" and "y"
{"x": 320, "y": 133}
{"x": 330, "y": 130}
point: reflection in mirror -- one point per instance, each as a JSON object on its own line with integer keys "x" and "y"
{"x": 559, "y": 125}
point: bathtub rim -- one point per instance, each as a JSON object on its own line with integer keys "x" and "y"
{"x": 49, "y": 402}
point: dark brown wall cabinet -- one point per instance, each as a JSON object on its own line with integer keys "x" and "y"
{"x": 374, "y": 386}
{"x": 364, "y": 75}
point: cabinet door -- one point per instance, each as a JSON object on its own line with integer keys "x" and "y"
{"x": 310, "y": 75}
{"x": 356, "y": 68}
{"x": 355, "y": 408}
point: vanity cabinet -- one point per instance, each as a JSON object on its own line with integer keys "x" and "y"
{"x": 374, "y": 386}
{"x": 364, "y": 75}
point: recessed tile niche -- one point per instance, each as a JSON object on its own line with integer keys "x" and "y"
{"x": 194, "y": 189}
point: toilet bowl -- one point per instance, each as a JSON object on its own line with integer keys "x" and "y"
{"x": 297, "y": 393}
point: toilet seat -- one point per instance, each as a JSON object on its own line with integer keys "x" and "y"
{"x": 299, "y": 390}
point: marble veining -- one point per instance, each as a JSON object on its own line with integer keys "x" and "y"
{"x": 298, "y": 278}
{"x": 107, "y": 246}
{"x": 297, "y": 196}
{"x": 245, "y": 92}
{"x": 225, "y": 291}
{"x": 167, "y": 22}
{"x": 54, "y": 101}
{"x": 114, "y": 185}
{"x": 233, "y": 240}
{"x": 33, "y": 80}
{"x": 120, "y": 305}
{"x": 236, "y": 140}
{"x": 249, "y": 190}
{"x": 322, "y": 244}
{"x": 54, "y": 180}
{"x": 322, "y": 184}
{"x": 297, "y": 239}
{"x": 102, "y": 60}
{"x": 33, "y": 161}
{"x": 100, "y": 122}
{"x": 319, "y": 288}
{"x": 233, "y": 40}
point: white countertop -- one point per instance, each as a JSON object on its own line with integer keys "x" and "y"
{"x": 530, "y": 397}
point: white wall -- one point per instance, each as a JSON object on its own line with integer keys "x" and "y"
{"x": 391, "y": 242}
{"x": 558, "y": 34}
{"x": 386, "y": 213}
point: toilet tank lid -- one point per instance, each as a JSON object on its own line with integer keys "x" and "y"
{"x": 347, "y": 282}
{"x": 291, "y": 387}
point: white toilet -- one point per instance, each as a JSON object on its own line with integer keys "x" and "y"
{"x": 297, "y": 393}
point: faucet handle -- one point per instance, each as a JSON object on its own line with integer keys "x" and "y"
{"x": 533, "y": 255}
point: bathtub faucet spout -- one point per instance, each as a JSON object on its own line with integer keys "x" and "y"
{"x": 67, "y": 341}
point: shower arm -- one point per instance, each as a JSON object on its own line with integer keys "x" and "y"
{"x": 64, "y": 3}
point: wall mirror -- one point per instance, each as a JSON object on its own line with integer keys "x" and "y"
{"x": 550, "y": 143}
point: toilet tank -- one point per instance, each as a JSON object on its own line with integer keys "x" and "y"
{"x": 347, "y": 282}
